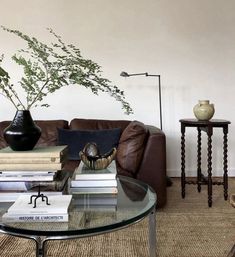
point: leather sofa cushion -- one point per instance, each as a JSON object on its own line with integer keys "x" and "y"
{"x": 98, "y": 124}
{"x": 131, "y": 147}
{"x": 49, "y": 134}
{"x": 3, "y": 125}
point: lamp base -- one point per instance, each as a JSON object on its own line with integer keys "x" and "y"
{"x": 168, "y": 181}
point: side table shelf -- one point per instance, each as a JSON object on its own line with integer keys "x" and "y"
{"x": 205, "y": 126}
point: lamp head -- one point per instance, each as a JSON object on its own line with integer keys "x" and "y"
{"x": 124, "y": 74}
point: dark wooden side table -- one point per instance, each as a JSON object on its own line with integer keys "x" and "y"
{"x": 206, "y": 126}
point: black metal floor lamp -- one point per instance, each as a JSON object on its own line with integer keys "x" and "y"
{"x": 125, "y": 74}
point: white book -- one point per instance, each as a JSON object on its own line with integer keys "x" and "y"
{"x": 95, "y": 200}
{"x": 49, "y": 177}
{"x": 93, "y": 190}
{"x": 26, "y": 172}
{"x": 58, "y": 204}
{"x": 97, "y": 208}
{"x": 94, "y": 183}
{"x": 12, "y": 185}
{"x": 31, "y": 166}
{"x": 7, "y": 217}
{"x": 84, "y": 173}
{"x": 11, "y": 196}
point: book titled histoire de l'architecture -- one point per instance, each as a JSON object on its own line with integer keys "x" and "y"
{"x": 22, "y": 211}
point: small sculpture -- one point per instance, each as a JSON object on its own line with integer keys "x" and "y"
{"x": 92, "y": 158}
{"x": 91, "y": 149}
{"x": 37, "y": 196}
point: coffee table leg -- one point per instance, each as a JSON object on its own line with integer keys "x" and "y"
{"x": 40, "y": 241}
{"x": 40, "y": 246}
{"x": 152, "y": 233}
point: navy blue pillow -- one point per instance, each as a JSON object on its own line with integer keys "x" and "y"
{"x": 105, "y": 139}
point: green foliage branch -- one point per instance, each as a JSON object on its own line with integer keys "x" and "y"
{"x": 48, "y": 68}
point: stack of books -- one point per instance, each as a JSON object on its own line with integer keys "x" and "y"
{"x": 22, "y": 211}
{"x": 96, "y": 202}
{"x": 86, "y": 181}
{"x": 23, "y": 171}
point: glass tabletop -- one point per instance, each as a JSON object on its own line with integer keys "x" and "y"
{"x": 93, "y": 213}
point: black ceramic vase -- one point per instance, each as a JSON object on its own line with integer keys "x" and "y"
{"x": 22, "y": 134}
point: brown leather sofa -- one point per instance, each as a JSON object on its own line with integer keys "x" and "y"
{"x": 141, "y": 151}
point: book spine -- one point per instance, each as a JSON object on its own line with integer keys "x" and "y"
{"x": 35, "y": 218}
{"x": 95, "y": 176}
{"x": 97, "y": 202}
{"x": 31, "y": 166}
{"x": 97, "y": 208}
{"x": 11, "y": 186}
{"x": 30, "y": 160}
{"x": 37, "y": 152}
{"x": 94, "y": 183}
{"x": 29, "y": 172}
{"x": 26, "y": 178}
{"x": 92, "y": 190}
{"x": 8, "y": 196}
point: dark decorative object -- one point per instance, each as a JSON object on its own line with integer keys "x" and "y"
{"x": 93, "y": 160}
{"x": 22, "y": 134}
{"x": 36, "y": 197}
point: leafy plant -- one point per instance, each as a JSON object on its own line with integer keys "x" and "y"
{"x": 48, "y": 68}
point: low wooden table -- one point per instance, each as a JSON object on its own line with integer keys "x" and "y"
{"x": 206, "y": 126}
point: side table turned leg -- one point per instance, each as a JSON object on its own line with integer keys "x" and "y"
{"x": 209, "y": 163}
{"x": 225, "y": 177}
{"x": 199, "y": 172}
{"x": 183, "y": 161}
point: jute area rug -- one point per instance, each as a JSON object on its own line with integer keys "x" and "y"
{"x": 185, "y": 228}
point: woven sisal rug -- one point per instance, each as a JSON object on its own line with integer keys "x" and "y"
{"x": 185, "y": 228}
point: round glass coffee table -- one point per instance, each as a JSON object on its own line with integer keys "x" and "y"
{"x": 93, "y": 214}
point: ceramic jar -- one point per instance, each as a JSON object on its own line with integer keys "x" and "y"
{"x": 204, "y": 110}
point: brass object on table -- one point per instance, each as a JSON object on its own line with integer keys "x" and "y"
{"x": 93, "y": 160}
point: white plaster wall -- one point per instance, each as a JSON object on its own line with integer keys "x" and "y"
{"x": 191, "y": 43}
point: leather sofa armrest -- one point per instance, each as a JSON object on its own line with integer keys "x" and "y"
{"x": 153, "y": 166}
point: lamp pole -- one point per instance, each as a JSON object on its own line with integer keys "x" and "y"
{"x": 125, "y": 74}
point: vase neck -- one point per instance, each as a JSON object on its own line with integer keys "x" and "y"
{"x": 204, "y": 102}
{"x": 22, "y": 116}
